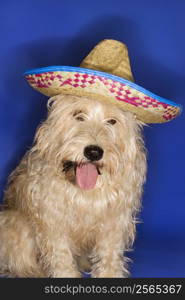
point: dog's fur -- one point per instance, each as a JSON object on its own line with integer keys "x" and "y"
{"x": 51, "y": 227}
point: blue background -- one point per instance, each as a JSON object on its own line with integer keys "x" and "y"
{"x": 40, "y": 33}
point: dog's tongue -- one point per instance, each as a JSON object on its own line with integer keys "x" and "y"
{"x": 86, "y": 176}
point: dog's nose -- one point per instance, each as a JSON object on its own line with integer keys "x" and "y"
{"x": 93, "y": 152}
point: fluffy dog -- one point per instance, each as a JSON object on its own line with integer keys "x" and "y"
{"x": 72, "y": 201}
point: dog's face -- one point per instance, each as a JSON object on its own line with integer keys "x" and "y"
{"x": 89, "y": 141}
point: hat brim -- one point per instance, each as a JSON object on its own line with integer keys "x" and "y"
{"x": 147, "y": 106}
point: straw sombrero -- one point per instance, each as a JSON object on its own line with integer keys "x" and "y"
{"x": 105, "y": 74}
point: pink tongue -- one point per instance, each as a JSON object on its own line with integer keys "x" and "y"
{"x": 86, "y": 176}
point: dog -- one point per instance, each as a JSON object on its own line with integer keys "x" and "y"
{"x": 73, "y": 200}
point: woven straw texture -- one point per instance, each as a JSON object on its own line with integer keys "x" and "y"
{"x": 148, "y": 109}
{"x": 111, "y": 57}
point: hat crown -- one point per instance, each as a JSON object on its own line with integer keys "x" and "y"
{"x": 109, "y": 56}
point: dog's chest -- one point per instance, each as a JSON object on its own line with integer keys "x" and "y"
{"x": 87, "y": 214}
{"x": 79, "y": 213}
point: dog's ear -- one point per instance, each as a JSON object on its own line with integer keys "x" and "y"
{"x": 51, "y": 101}
{"x": 130, "y": 116}
{"x": 57, "y": 101}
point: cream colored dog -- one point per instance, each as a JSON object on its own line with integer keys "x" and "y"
{"x": 72, "y": 201}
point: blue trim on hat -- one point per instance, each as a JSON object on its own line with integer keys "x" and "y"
{"x": 102, "y": 74}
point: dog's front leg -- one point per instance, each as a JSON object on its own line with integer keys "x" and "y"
{"x": 107, "y": 258}
{"x": 56, "y": 256}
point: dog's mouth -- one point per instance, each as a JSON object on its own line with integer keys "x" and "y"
{"x": 86, "y": 174}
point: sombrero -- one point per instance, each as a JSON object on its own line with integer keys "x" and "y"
{"x": 105, "y": 74}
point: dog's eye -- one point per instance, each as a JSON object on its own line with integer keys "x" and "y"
{"x": 80, "y": 118}
{"x": 78, "y": 115}
{"x": 112, "y": 121}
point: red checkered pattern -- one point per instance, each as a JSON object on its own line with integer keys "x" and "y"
{"x": 120, "y": 91}
{"x": 170, "y": 113}
{"x": 80, "y": 80}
